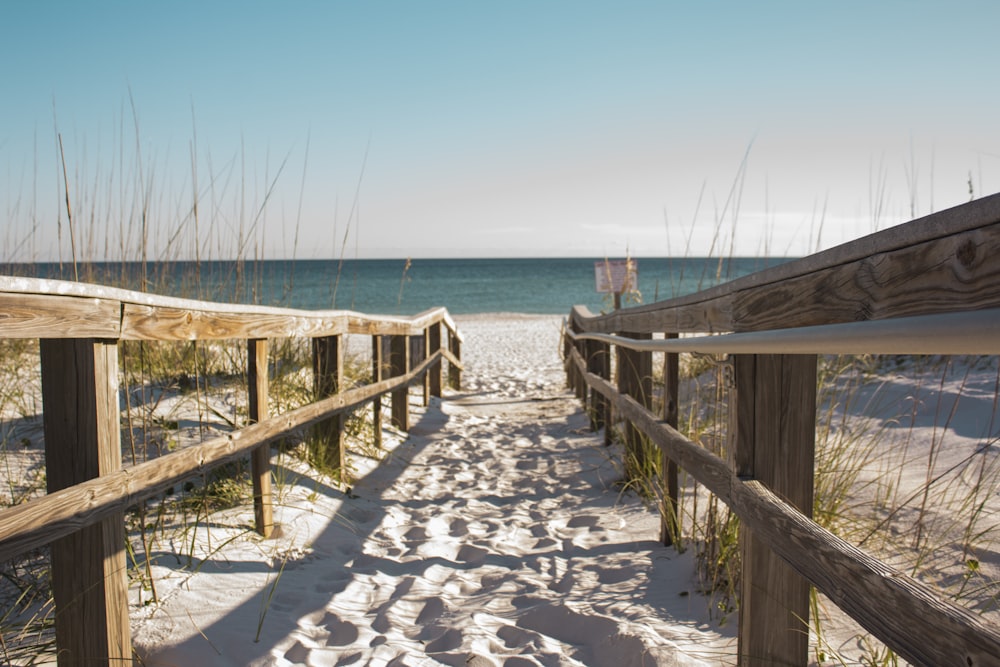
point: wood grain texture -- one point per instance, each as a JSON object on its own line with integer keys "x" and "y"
{"x": 325, "y": 444}
{"x": 774, "y": 405}
{"x": 598, "y": 357}
{"x": 433, "y": 338}
{"x": 82, "y": 442}
{"x": 911, "y": 618}
{"x": 34, "y": 316}
{"x": 205, "y": 321}
{"x": 670, "y": 526}
{"x": 378, "y": 370}
{"x": 260, "y": 458}
{"x": 399, "y": 363}
{"x": 455, "y": 361}
{"x": 958, "y": 272}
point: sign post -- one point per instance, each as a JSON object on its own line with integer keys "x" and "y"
{"x": 616, "y": 276}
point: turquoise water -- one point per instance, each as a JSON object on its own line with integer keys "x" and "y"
{"x": 547, "y": 286}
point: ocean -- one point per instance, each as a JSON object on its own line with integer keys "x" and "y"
{"x": 405, "y": 287}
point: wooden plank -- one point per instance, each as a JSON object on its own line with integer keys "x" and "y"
{"x": 945, "y": 275}
{"x": 82, "y": 441}
{"x": 598, "y": 356}
{"x": 325, "y": 438}
{"x": 433, "y": 338}
{"x": 299, "y": 322}
{"x": 378, "y": 368}
{"x": 39, "y": 521}
{"x": 913, "y": 619}
{"x": 205, "y": 321}
{"x": 670, "y": 527}
{"x": 774, "y": 405}
{"x": 35, "y": 316}
{"x": 455, "y": 369}
{"x": 260, "y": 458}
{"x": 399, "y": 364}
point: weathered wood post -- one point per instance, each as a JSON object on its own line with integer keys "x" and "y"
{"x": 378, "y": 367}
{"x": 635, "y": 378}
{"x": 599, "y": 363}
{"x": 579, "y": 382}
{"x": 433, "y": 337}
{"x": 454, "y": 372}
{"x": 774, "y": 433}
{"x": 422, "y": 350}
{"x": 82, "y": 424}
{"x": 670, "y": 528}
{"x": 399, "y": 364}
{"x": 328, "y": 369}
{"x": 260, "y": 459}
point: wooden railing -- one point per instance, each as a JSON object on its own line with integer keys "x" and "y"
{"x": 931, "y": 286}
{"x": 81, "y": 517}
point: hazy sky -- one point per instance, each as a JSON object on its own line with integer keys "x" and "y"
{"x": 432, "y": 129}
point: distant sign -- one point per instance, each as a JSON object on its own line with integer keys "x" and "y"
{"x": 616, "y": 275}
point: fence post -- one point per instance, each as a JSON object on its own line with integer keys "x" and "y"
{"x": 670, "y": 528}
{"x": 328, "y": 368}
{"x": 399, "y": 364}
{"x": 774, "y": 432}
{"x": 635, "y": 378}
{"x": 433, "y": 338}
{"x": 260, "y": 459}
{"x": 454, "y": 372}
{"x": 579, "y": 383}
{"x": 378, "y": 365}
{"x": 82, "y": 424}
{"x": 599, "y": 363}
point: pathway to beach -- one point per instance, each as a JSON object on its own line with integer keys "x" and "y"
{"x": 494, "y": 534}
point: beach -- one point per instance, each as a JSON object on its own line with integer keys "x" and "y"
{"x": 494, "y": 533}
{"x": 497, "y": 530}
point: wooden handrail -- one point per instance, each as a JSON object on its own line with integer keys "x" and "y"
{"x": 81, "y": 517}
{"x": 46, "y": 518}
{"x": 974, "y": 332}
{"x": 38, "y": 308}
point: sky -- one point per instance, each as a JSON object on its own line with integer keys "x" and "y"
{"x": 487, "y": 129}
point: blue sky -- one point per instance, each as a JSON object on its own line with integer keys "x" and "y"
{"x": 434, "y": 129}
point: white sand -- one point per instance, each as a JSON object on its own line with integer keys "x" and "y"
{"x": 493, "y": 534}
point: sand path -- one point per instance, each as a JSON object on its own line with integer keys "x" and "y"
{"x": 493, "y": 535}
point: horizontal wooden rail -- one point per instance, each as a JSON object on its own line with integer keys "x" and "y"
{"x": 36, "y": 308}
{"x": 975, "y": 332}
{"x": 911, "y": 618}
{"x": 944, "y": 262}
{"x": 44, "y": 519}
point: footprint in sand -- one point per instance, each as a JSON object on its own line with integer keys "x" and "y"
{"x": 431, "y": 611}
{"x": 449, "y": 641}
{"x": 297, "y": 654}
{"x": 471, "y": 554}
{"x": 459, "y": 528}
{"x": 342, "y": 633}
{"x": 583, "y": 521}
{"x": 514, "y": 637}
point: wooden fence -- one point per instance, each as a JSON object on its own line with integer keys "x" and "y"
{"x": 81, "y": 517}
{"x": 931, "y": 286}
